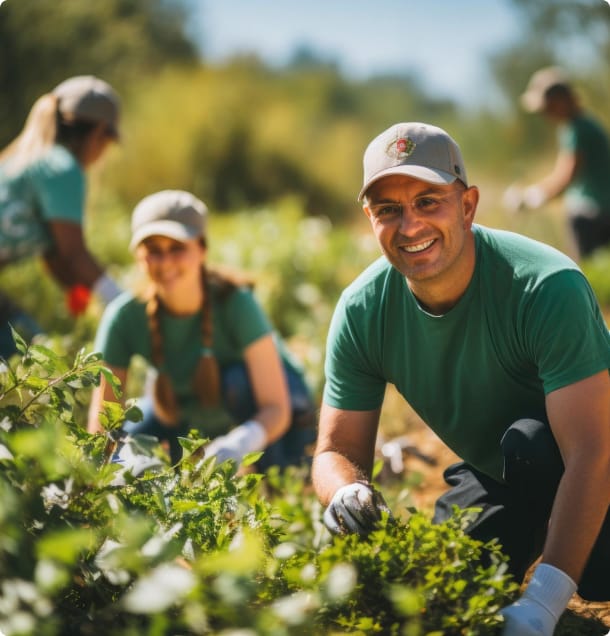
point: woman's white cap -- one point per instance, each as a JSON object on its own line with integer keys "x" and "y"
{"x": 173, "y": 213}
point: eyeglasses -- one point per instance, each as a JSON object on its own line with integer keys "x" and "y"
{"x": 424, "y": 204}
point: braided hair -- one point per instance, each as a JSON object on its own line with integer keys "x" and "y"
{"x": 206, "y": 378}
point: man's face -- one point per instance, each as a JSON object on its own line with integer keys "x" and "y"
{"x": 423, "y": 229}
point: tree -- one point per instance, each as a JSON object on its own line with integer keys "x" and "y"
{"x": 42, "y": 42}
{"x": 570, "y": 33}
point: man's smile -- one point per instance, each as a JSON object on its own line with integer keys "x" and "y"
{"x": 419, "y": 247}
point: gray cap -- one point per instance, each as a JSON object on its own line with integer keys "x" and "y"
{"x": 173, "y": 213}
{"x": 88, "y": 98}
{"x": 414, "y": 149}
{"x": 539, "y": 85}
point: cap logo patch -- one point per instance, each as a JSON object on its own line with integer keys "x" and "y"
{"x": 400, "y": 148}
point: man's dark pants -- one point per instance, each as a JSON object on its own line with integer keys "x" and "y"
{"x": 517, "y": 512}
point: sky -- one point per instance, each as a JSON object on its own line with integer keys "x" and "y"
{"x": 444, "y": 43}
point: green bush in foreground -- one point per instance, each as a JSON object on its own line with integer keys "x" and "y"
{"x": 198, "y": 548}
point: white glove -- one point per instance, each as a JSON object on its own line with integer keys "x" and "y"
{"x": 248, "y": 437}
{"x": 355, "y": 508}
{"x": 512, "y": 199}
{"x": 534, "y": 196}
{"x": 537, "y": 611}
{"x": 106, "y": 288}
{"x": 134, "y": 462}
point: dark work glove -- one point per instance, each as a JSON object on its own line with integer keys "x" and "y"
{"x": 355, "y": 508}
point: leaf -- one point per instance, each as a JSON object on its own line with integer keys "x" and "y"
{"x": 65, "y": 546}
{"x": 19, "y": 341}
{"x": 5, "y": 453}
{"x": 35, "y": 383}
{"x": 159, "y": 590}
{"x": 251, "y": 458}
{"x": 112, "y": 380}
{"x": 134, "y": 414}
{"x": 47, "y": 358}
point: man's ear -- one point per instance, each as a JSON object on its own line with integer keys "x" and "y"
{"x": 470, "y": 200}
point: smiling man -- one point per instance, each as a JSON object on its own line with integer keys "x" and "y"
{"x": 498, "y": 343}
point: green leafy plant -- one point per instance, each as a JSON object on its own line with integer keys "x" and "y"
{"x": 200, "y": 547}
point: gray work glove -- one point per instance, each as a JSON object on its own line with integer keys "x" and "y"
{"x": 355, "y": 508}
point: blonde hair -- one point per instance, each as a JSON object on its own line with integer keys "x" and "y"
{"x": 206, "y": 379}
{"x": 43, "y": 128}
{"x": 38, "y": 135}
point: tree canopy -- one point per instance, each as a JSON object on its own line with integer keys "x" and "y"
{"x": 42, "y": 42}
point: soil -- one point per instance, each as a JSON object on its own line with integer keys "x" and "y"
{"x": 424, "y": 460}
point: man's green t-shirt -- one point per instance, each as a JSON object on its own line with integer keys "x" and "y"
{"x": 528, "y": 324}
{"x": 589, "y": 192}
{"x": 50, "y": 189}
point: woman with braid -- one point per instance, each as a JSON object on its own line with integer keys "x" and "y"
{"x": 220, "y": 367}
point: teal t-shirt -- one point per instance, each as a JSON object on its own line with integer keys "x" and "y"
{"x": 238, "y": 321}
{"x": 589, "y": 192}
{"x": 50, "y": 189}
{"x": 528, "y": 324}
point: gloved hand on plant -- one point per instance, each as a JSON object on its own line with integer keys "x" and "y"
{"x": 249, "y": 437}
{"x": 537, "y": 611}
{"x": 355, "y": 508}
{"x": 133, "y": 459}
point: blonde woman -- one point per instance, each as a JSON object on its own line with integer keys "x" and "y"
{"x": 43, "y": 187}
{"x": 220, "y": 367}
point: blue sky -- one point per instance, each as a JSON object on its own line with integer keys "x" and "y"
{"x": 444, "y": 42}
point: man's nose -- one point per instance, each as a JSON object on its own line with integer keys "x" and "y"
{"x": 410, "y": 221}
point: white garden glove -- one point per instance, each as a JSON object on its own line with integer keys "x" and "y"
{"x": 249, "y": 437}
{"x": 533, "y": 197}
{"x": 133, "y": 461}
{"x": 516, "y": 198}
{"x": 537, "y": 611}
{"x": 355, "y": 508}
{"x": 512, "y": 199}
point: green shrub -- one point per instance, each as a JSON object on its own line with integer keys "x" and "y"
{"x": 199, "y": 548}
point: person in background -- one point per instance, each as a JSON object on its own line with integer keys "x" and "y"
{"x": 582, "y": 167}
{"x": 43, "y": 188}
{"x": 497, "y": 341}
{"x": 217, "y": 358}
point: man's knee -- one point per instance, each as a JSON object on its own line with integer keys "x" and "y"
{"x": 532, "y": 461}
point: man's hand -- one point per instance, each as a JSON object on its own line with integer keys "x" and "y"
{"x": 512, "y": 199}
{"x": 536, "y": 613}
{"x": 355, "y": 508}
{"x": 516, "y": 198}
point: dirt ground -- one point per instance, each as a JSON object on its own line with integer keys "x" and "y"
{"x": 425, "y": 457}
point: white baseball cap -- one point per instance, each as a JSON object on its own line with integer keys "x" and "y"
{"x": 88, "y": 98}
{"x": 414, "y": 149}
{"x": 173, "y": 213}
{"x": 540, "y": 83}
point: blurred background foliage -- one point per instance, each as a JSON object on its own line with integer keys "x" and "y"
{"x": 275, "y": 153}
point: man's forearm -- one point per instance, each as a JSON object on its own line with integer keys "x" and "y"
{"x": 331, "y": 471}
{"x": 579, "y": 510}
